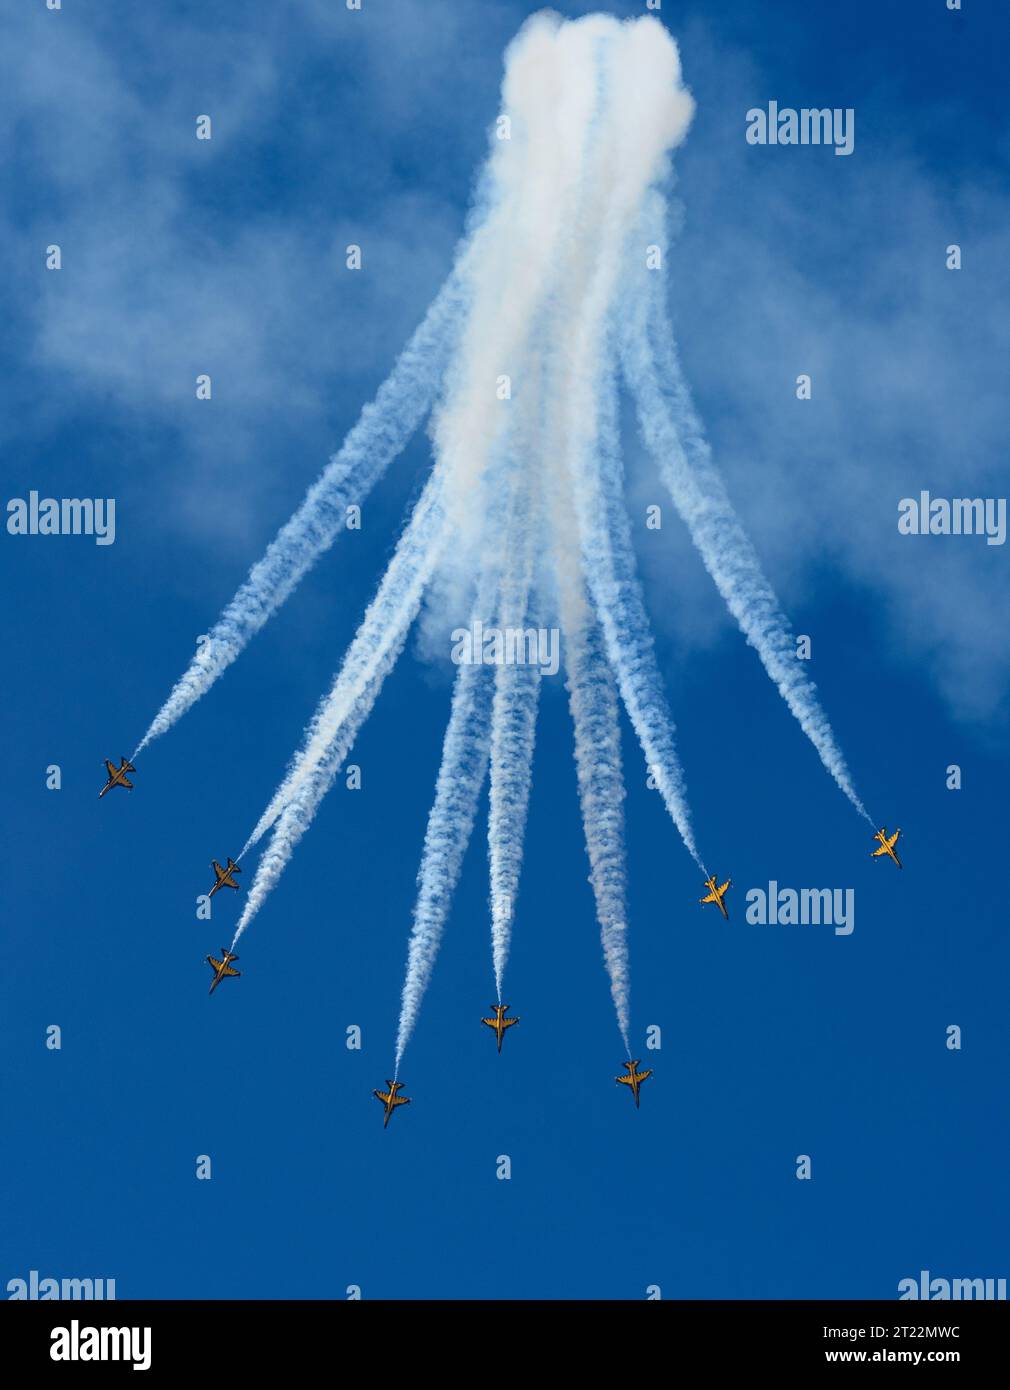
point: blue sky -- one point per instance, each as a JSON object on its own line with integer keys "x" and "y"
{"x": 227, "y": 257}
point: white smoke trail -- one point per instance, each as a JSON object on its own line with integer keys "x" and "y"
{"x": 372, "y": 653}
{"x": 450, "y": 824}
{"x": 548, "y": 93}
{"x": 608, "y": 555}
{"x": 382, "y": 431}
{"x": 505, "y": 560}
{"x": 513, "y": 736}
{"x": 514, "y": 246}
{"x": 510, "y": 241}
{"x": 465, "y": 749}
{"x": 649, "y": 111}
{"x": 593, "y": 702}
{"x": 673, "y": 434}
{"x": 298, "y": 814}
{"x": 593, "y": 705}
{"x": 638, "y": 72}
{"x": 332, "y": 731}
{"x": 595, "y": 107}
{"x": 467, "y": 426}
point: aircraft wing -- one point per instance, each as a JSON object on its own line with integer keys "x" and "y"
{"x": 875, "y": 854}
{"x": 724, "y": 887}
{"x": 125, "y": 782}
{"x": 712, "y": 898}
{"x": 110, "y": 767}
{"x": 491, "y": 1022}
{"x": 401, "y": 1100}
{"x": 886, "y": 844}
{"x": 215, "y": 963}
{"x": 624, "y": 1080}
{"x": 508, "y": 1022}
{"x": 229, "y": 971}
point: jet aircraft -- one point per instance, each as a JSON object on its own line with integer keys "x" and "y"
{"x": 117, "y": 776}
{"x": 716, "y": 893}
{"x": 224, "y": 876}
{"x": 887, "y": 843}
{"x": 633, "y": 1079}
{"x": 499, "y": 1023}
{"x": 390, "y": 1099}
{"x": 222, "y": 968}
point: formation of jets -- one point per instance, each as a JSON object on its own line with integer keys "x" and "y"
{"x": 225, "y": 878}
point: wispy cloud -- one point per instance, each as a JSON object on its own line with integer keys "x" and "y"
{"x": 227, "y": 257}
{"x": 836, "y": 268}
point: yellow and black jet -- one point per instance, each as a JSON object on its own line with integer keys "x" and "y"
{"x": 117, "y": 776}
{"x": 224, "y": 876}
{"x": 222, "y": 968}
{"x": 716, "y": 893}
{"x": 499, "y": 1023}
{"x": 633, "y": 1079}
{"x": 390, "y": 1099}
{"x": 887, "y": 843}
